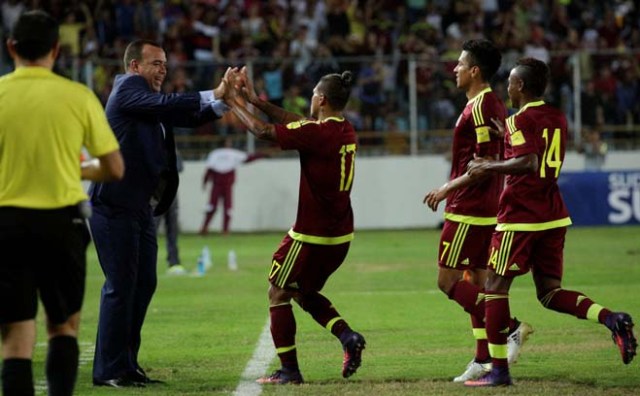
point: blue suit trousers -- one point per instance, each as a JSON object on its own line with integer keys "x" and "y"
{"x": 127, "y": 250}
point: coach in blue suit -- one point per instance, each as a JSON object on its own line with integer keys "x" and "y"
{"x": 122, "y": 224}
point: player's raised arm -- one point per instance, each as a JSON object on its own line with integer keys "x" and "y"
{"x": 259, "y": 128}
{"x": 277, "y": 114}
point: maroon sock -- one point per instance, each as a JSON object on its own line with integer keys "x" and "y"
{"x": 573, "y": 303}
{"x": 480, "y": 334}
{"x": 283, "y": 332}
{"x": 497, "y": 324}
{"x": 323, "y": 312}
{"x": 469, "y": 297}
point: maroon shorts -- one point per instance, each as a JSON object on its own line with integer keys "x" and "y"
{"x": 514, "y": 253}
{"x": 304, "y": 266}
{"x": 464, "y": 246}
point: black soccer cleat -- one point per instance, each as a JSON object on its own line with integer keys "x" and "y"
{"x": 353, "y": 347}
{"x": 621, "y": 326}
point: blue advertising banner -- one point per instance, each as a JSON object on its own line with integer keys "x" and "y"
{"x": 602, "y": 198}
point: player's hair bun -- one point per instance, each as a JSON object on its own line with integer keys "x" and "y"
{"x": 347, "y": 78}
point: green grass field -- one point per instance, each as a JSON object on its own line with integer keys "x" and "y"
{"x": 200, "y": 333}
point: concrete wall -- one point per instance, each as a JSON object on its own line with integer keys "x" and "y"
{"x": 387, "y": 191}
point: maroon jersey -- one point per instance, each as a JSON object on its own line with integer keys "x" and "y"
{"x": 478, "y": 203}
{"x": 532, "y": 201}
{"x": 327, "y": 160}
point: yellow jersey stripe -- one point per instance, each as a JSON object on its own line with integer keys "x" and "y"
{"x": 564, "y": 222}
{"x": 319, "y": 240}
{"x": 473, "y": 220}
{"x": 476, "y": 108}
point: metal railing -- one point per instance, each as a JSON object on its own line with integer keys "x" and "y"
{"x": 415, "y": 100}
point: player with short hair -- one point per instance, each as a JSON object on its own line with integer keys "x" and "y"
{"x": 533, "y": 220}
{"x": 472, "y": 203}
{"x": 318, "y": 242}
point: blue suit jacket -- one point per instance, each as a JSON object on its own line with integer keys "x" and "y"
{"x": 143, "y": 122}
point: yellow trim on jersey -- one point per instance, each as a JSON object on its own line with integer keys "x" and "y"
{"x": 476, "y": 108}
{"x": 319, "y": 240}
{"x": 287, "y": 266}
{"x": 332, "y": 322}
{"x": 285, "y": 349}
{"x": 300, "y": 123}
{"x": 456, "y": 245}
{"x": 480, "y": 334}
{"x": 498, "y": 351}
{"x": 564, "y": 222}
{"x": 337, "y": 119}
{"x": 530, "y": 104}
{"x": 473, "y": 220}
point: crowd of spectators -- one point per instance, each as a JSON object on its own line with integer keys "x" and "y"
{"x": 290, "y": 43}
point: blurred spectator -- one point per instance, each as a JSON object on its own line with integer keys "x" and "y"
{"x": 627, "y": 97}
{"x": 301, "y": 48}
{"x": 594, "y": 150}
{"x": 125, "y": 12}
{"x": 591, "y": 106}
{"x": 294, "y": 102}
{"x": 73, "y": 28}
{"x": 370, "y": 85}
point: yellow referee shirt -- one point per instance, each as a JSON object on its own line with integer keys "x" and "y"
{"x": 45, "y": 120}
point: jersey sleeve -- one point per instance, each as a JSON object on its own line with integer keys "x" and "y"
{"x": 487, "y": 144}
{"x": 301, "y": 135}
{"x": 521, "y": 130}
{"x": 99, "y": 138}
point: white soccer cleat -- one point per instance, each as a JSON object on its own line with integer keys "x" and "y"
{"x": 516, "y": 340}
{"x": 474, "y": 371}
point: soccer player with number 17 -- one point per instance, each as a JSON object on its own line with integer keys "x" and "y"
{"x": 318, "y": 242}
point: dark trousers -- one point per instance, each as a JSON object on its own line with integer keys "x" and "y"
{"x": 170, "y": 220}
{"x": 127, "y": 250}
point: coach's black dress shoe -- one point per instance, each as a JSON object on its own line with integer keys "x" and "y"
{"x": 118, "y": 383}
{"x": 139, "y": 376}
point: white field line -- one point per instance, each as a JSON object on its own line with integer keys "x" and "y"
{"x": 264, "y": 353}
{"x": 86, "y": 355}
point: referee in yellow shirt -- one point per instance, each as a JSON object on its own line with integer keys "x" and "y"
{"x": 45, "y": 120}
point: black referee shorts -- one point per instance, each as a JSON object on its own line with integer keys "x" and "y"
{"x": 42, "y": 252}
